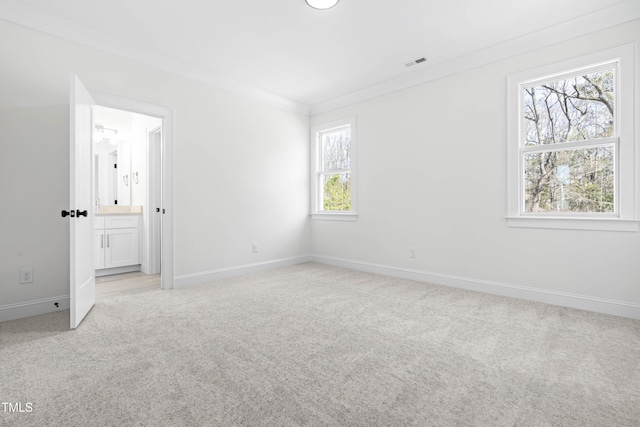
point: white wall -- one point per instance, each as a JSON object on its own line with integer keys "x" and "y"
{"x": 34, "y": 188}
{"x": 241, "y": 175}
{"x": 240, "y": 166}
{"x": 432, "y": 175}
{"x": 140, "y": 127}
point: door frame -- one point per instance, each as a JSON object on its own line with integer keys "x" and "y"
{"x": 154, "y": 199}
{"x": 166, "y": 154}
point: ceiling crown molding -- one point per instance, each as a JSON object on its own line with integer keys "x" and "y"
{"x": 586, "y": 24}
{"x": 13, "y": 11}
{"x": 39, "y": 20}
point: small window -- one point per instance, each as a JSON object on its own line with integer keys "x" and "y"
{"x": 333, "y": 151}
{"x": 570, "y": 134}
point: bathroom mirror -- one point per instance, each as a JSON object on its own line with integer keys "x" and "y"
{"x": 112, "y": 172}
{"x": 112, "y": 135}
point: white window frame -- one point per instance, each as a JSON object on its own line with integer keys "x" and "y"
{"x": 625, "y": 217}
{"x": 316, "y": 181}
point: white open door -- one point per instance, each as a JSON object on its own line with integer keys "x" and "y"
{"x": 83, "y": 281}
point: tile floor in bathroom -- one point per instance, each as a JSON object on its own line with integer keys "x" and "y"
{"x": 126, "y": 283}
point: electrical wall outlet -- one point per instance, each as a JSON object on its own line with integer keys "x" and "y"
{"x": 254, "y": 248}
{"x": 26, "y": 275}
{"x": 413, "y": 252}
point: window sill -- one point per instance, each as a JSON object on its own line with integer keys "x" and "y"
{"x": 342, "y": 216}
{"x": 600, "y": 224}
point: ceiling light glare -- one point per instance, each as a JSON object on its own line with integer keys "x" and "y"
{"x": 322, "y": 4}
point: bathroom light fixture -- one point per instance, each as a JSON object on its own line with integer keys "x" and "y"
{"x": 105, "y": 130}
{"x": 105, "y": 134}
{"x": 322, "y": 4}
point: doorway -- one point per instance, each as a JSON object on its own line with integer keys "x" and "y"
{"x": 127, "y": 209}
{"x": 138, "y": 152}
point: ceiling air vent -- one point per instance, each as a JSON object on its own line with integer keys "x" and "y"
{"x": 415, "y": 62}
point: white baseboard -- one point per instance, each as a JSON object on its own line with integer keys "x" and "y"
{"x": 582, "y": 302}
{"x": 117, "y": 270}
{"x": 211, "y": 275}
{"x": 33, "y": 308}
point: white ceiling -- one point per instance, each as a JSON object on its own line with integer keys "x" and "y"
{"x": 310, "y": 58}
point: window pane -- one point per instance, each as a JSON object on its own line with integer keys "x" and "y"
{"x": 336, "y": 149}
{"x": 579, "y": 180}
{"x": 336, "y": 192}
{"x": 575, "y": 109}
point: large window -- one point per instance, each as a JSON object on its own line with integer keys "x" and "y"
{"x": 571, "y": 144}
{"x": 333, "y": 189}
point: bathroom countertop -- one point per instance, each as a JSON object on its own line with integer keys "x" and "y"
{"x": 116, "y": 213}
{"x": 119, "y": 210}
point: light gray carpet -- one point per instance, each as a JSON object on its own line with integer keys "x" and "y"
{"x": 322, "y": 346}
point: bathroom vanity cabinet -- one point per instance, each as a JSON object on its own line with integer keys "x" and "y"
{"x": 116, "y": 242}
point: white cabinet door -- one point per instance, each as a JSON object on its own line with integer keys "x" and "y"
{"x": 117, "y": 244}
{"x": 98, "y": 249}
{"x": 121, "y": 248}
